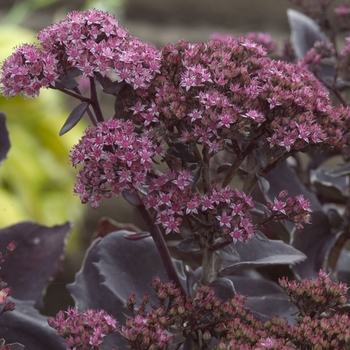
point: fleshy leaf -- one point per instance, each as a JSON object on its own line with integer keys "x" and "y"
{"x": 137, "y": 236}
{"x": 284, "y": 177}
{"x": 257, "y": 253}
{"x": 132, "y": 198}
{"x": 114, "y": 88}
{"x": 263, "y": 184}
{"x": 266, "y": 299}
{"x": 189, "y": 245}
{"x": 4, "y": 138}
{"x": 113, "y": 269}
{"x": 272, "y": 305}
{"x": 107, "y": 225}
{"x": 75, "y": 116}
{"x": 224, "y": 288}
{"x": 305, "y": 32}
{"x": 317, "y": 241}
{"x": 68, "y": 80}
{"x": 36, "y": 260}
{"x": 26, "y": 326}
{"x": 330, "y": 185}
{"x": 182, "y": 151}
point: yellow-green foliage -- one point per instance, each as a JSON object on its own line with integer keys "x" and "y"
{"x": 36, "y": 180}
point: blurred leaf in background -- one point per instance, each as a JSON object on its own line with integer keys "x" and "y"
{"x": 20, "y": 10}
{"x": 112, "y": 6}
{"x": 36, "y": 181}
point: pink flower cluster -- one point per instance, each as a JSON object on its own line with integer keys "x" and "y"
{"x": 228, "y": 325}
{"x": 83, "y": 331}
{"x": 214, "y": 91}
{"x": 315, "y": 296}
{"x": 263, "y": 39}
{"x": 114, "y": 158}
{"x": 172, "y": 198}
{"x": 144, "y": 333}
{"x": 28, "y": 70}
{"x": 91, "y": 41}
{"x": 296, "y": 209}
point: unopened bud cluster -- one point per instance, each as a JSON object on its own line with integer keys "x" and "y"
{"x": 83, "y": 331}
{"x": 226, "y": 325}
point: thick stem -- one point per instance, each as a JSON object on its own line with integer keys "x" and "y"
{"x": 208, "y": 267}
{"x": 209, "y": 261}
{"x": 161, "y": 246}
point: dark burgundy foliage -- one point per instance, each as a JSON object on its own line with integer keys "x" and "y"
{"x": 193, "y": 298}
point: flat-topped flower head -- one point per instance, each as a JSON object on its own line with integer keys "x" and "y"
{"x": 114, "y": 158}
{"x": 92, "y": 42}
{"x": 214, "y": 91}
{"x": 27, "y": 71}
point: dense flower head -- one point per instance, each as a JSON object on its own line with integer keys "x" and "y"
{"x": 263, "y": 39}
{"x": 92, "y": 42}
{"x": 172, "y": 197}
{"x": 83, "y": 331}
{"x": 211, "y": 92}
{"x": 315, "y": 296}
{"x": 28, "y": 70}
{"x": 114, "y": 158}
{"x": 226, "y": 324}
{"x": 296, "y": 209}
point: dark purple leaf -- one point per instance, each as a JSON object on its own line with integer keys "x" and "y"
{"x": 260, "y": 210}
{"x": 107, "y": 225}
{"x": 317, "y": 158}
{"x": 26, "y": 326}
{"x": 305, "y": 32}
{"x": 192, "y": 280}
{"x": 127, "y": 93}
{"x": 260, "y": 236}
{"x": 36, "y": 260}
{"x": 75, "y": 116}
{"x": 331, "y": 184}
{"x": 257, "y": 253}
{"x": 68, "y": 80}
{"x": 271, "y": 306}
{"x": 132, "y": 198}
{"x": 260, "y": 155}
{"x": 137, "y": 236}
{"x": 182, "y": 151}
{"x": 113, "y": 269}
{"x": 343, "y": 170}
{"x": 228, "y": 254}
{"x": 224, "y": 288}
{"x": 284, "y": 177}
{"x": 256, "y": 286}
{"x": 189, "y": 245}
{"x": 224, "y": 167}
{"x": 266, "y": 299}
{"x": 4, "y": 138}
{"x": 317, "y": 241}
{"x": 263, "y": 184}
{"x": 114, "y": 88}
{"x": 196, "y": 172}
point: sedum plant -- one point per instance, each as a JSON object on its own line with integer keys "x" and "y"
{"x": 207, "y": 144}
